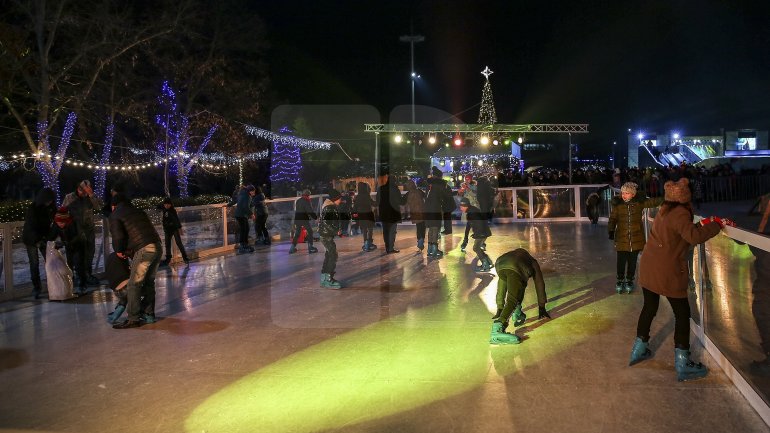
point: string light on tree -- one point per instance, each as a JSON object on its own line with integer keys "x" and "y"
{"x": 288, "y": 140}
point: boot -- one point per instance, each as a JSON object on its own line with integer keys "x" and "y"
{"x": 293, "y": 249}
{"x": 639, "y": 352}
{"x": 431, "y": 248}
{"x": 372, "y": 246}
{"x": 420, "y": 244}
{"x": 686, "y": 369}
{"x": 311, "y": 249}
{"x": 628, "y": 285}
{"x": 497, "y": 314}
{"x": 620, "y": 286}
{"x": 483, "y": 267}
{"x": 518, "y": 316}
{"x": 499, "y": 336}
{"x": 365, "y": 247}
{"x": 113, "y": 317}
{"x": 437, "y": 252}
{"x": 328, "y": 282}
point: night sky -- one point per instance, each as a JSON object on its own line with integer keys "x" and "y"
{"x": 690, "y": 66}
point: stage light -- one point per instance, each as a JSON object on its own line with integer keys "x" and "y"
{"x": 398, "y": 138}
{"x": 432, "y": 140}
{"x": 495, "y": 142}
{"x": 521, "y": 139}
{"x": 484, "y": 140}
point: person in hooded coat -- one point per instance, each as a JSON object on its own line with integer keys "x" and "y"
{"x": 415, "y": 200}
{"x": 389, "y": 203}
{"x": 37, "y": 224}
{"x": 663, "y": 272}
{"x": 363, "y": 211}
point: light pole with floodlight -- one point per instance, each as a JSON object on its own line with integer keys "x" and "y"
{"x": 412, "y": 38}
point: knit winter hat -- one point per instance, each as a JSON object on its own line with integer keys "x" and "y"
{"x": 63, "y": 216}
{"x": 629, "y": 187}
{"x": 436, "y": 172}
{"x": 334, "y": 194}
{"x": 678, "y": 191}
{"x": 465, "y": 202}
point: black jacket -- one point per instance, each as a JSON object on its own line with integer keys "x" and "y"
{"x": 478, "y": 222}
{"x": 171, "y": 221}
{"x": 38, "y": 218}
{"x": 259, "y": 205}
{"x": 389, "y": 202}
{"x": 131, "y": 229}
{"x": 435, "y": 202}
{"x": 363, "y": 203}
{"x": 304, "y": 210}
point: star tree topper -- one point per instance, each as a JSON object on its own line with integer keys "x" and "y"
{"x": 487, "y": 72}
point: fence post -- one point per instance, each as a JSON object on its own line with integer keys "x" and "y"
{"x": 578, "y": 207}
{"x": 224, "y": 225}
{"x": 7, "y": 232}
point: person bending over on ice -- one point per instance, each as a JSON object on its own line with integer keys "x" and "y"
{"x": 663, "y": 272}
{"x": 626, "y": 229}
{"x": 328, "y": 228}
{"x": 514, "y": 269}
{"x": 481, "y": 232}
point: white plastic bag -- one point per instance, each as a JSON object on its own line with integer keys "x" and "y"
{"x": 58, "y": 274}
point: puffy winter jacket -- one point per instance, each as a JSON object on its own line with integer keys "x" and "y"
{"x": 131, "y": 229}
{"x": 415, "y": 200}
{"x": 304, "y": 210}
{"x": 329, "y": 225}
{"x": 625, "y": 222}
{"x": 363, "y": 203}
{"x": 38, "y": 218}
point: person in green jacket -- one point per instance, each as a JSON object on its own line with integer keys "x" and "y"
{"x": 514, "y": 269}
{"x": 626, "y": 229}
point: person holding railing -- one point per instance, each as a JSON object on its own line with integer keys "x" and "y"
{"x": 260, "y": 217}
{"x": 663, "y": 272}
{"x": 242, "y": 203}
{"x": 303, "y": 214}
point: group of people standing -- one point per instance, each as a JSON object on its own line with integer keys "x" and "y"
{"x": 250, "y": 203}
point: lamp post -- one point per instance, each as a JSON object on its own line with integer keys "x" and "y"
{"x": 412, "y": 38}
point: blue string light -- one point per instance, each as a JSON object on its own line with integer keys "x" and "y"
{"x": 101, "y": 174}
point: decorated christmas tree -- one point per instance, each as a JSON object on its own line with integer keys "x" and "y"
{"x": 487, "y": 114}
{"x": 285, "y": 164}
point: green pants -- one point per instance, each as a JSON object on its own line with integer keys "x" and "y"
{"x": 510, "y": 292}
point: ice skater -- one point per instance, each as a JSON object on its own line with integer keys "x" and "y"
{"x": 328, "y": 228}
{"x": 514, "y": 269}
{"x": 478, "y": 222}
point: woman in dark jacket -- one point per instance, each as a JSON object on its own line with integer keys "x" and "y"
{"x": 389, "y": 203}
{"x": 363, "y": 211}
{"x": 415, "y": 200}
{"x": 37, "y": 224}
{"x": 435, "y": 202}
{"x": 65, "y": 229}
{"x": 260, "y": 216}
{"x": 626, "y": 229}
{"x": 663, "y": 272}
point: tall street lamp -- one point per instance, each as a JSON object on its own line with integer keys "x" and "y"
{"x": 412, "y": 39}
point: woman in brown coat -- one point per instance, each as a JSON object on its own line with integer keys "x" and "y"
{"x": 626, "y": 229}
{"x": 415, "y": 200}
{"x": 663, "y": 272}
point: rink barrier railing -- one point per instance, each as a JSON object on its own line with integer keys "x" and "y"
{"x": 735, "y": 369}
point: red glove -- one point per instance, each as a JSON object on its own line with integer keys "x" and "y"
{"x": 723, "y": 222}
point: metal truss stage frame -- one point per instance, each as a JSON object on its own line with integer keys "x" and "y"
{"x": 545, "y": 128}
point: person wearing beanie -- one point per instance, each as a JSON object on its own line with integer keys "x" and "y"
{"x": 661, "y": 273}
{"x": 514, "y": 269}
{"x": 363, "y": 211}
{"x": 303, "y": 214}
{"x": 37, "y": 224}
{"x": 626, "y": 229}
{"x": 242, "y": 213}
{"x": 134, "y": 235}
{"x": 65, "y": 229}
{"x": 81, "y": 204}
{"x": 478, "y": 222}
{"x": 172, "y": 228}
{"x": 328, "y": 228}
